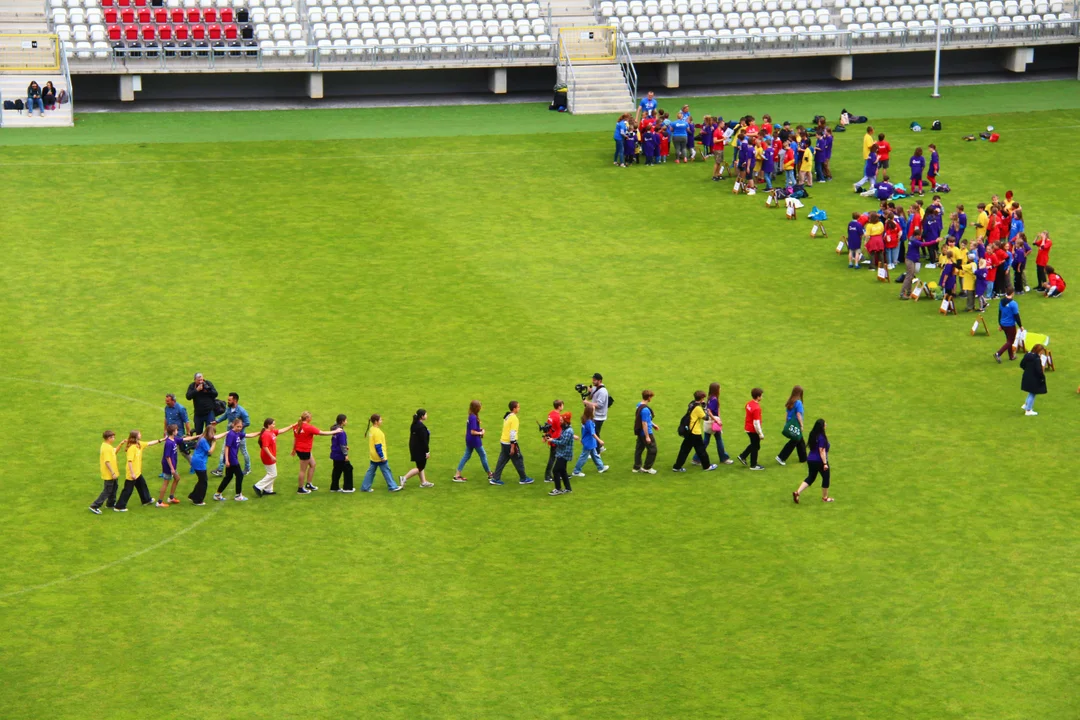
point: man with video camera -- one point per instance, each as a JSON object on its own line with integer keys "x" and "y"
{"x": 598, "y": 395}
{"x": 202, "y": 395}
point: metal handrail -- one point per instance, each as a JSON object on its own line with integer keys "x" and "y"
{"x": 566, "y": 73}
{"x": 626, "y": 64}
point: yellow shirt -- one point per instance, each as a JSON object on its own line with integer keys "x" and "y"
{"x": 981, "y": 224}
{"x": 868, "y": 142}
{"x": 697, "y": 420}
{"x": 967, "y": 276}
{"x": 134, "y": 458}
{"x": 759, "y": 156}
{"x": 807, "y": 160}
{"x": 510, "y": 429}
{"x": 108, "y": 455}
{"x": 376, "y": 437}
{"x": 873, "y": 229}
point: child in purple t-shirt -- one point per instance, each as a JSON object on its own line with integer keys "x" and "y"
{"x": 854, "y": 240}
{"x": 474, "y": 442}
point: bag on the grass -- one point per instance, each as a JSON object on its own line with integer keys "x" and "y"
{"x": 839, "y": 128}
{"x": 792, "y": 431}
{"x": 817, "y": 214}
{"x": 799, "y": 192}
{"x": 936, "y": 125}
{"x": 942, "y": 188}
{"x": 915, "y": 126}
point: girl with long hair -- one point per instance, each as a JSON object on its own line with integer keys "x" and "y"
{"x": 1034, "y": 379}
{"x": 419, "y": 448}
{"x": 590, "y": 442}
{"x": 474, "y": 442}
{"x": 818, "y": 462}
{"x": 339, "y": 455}
{"x": 793, "y": 427}
{"x": 714, "y": 426}
{"x": 377, "y": 453}
{"x": 203, "y": 450}
{"x": 134, "y": 479}
{"x": 233, "y": 469}
{"x": 303, "y": 434}
{"x": 268, "y": 455}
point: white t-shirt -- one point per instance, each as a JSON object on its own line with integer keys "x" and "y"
{"x": 601, "y": 399}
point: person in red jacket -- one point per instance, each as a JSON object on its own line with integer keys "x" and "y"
{"x": 554, "y": 419}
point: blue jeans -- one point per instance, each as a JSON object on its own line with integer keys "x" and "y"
{"x": 31, "y": 102}
{"x": 892, "y": 255}
{"x": 789, "y": 175}
{"x": 819, "y": 173}
{"x": 1030, "y": 402}
{"x": 620, "y": 156}
{"x": 369, "y": 476}
{"x": 594, "y": 453}
{"x": 768, "y": 181}
{"x": 244, "y": 452}
{"x": 720, "y": 452}
{"x": 480, "y": 452}
{"x": 202, "y": 422}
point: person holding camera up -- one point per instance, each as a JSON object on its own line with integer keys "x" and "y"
{"x": 691, "y": 429}
{"x": 551, "y": 434}
{"x": 599, "y": 397}
{"x": 644, "y": 429}
{"x": 202, "y": 394}
{"x": 509, "y": 450}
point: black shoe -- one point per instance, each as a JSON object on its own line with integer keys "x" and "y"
{"x": 303, "y": 491}
{"x": 309, "y": 486}
{"x": 268, "y": 492}
{"x": 258, "y": 492}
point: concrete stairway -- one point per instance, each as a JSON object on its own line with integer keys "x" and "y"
{"x": 600, "y": 88}
{"x": 23, "y": 16}
{"x": 568, "y": 13}
{"x": 13, "y": 87}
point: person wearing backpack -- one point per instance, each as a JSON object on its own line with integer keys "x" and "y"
{"x": 645, "y": 431}
{"x": 753, "y": 430}
{"x": 691, "y": 429}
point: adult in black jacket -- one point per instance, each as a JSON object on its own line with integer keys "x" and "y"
{"x": 48, "y": 95}
{"x": 1034, "y": 380}
{"x": 419, "y": 449}
{"x": 202, "y": 394}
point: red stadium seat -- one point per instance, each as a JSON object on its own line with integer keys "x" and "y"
{"x": 110, "y": 16}
{"x": 178, "y": 15}
{"x": 123, "y": 3}
{"x": 131, "y": 32}
{"x": 144, "y": 15}
{"x": 165, "y": 32}
{"x": 209, "y": 15}
{"x": 227, "y": 15}
{"x": 106, "y": 3}
{"x": 214, "y": 31}
{"x": 161, "y": 15}
{"x": 127, "y": 16}
{"x": 181, "y": 32}
{"x": 149, "y": 32}
{"x": 231, "y": 32}
{"x": 198, "y": 32}
{"x": 115, "y": 33}
{"x": 140, "y": 3}
{"x": 193, "y": 15}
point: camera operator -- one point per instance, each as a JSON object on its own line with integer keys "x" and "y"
{"x": 599, "y": 397}
{"x": 554, "y": 419}
{"x": 202, "y": 394}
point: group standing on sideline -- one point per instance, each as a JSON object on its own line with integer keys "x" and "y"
{"x": 701, "y": 423}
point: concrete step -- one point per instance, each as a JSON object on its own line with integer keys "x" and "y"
{"x": 13, "y": 87}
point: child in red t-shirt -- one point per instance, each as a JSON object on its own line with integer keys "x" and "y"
{"x": 752, "y": 425}
{"x": 303, "y": 435}
{"x": 665, "y": 145}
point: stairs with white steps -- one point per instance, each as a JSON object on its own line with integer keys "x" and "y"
{"x": 600, "y": 88}
{"x": 13, "y": 87}
{"x": 23, "y": 16}
{"x": 570, "y": 13}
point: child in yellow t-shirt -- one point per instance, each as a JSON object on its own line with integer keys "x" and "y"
{"x": 377, "y": 455}
{"x": 133, "y": 477}
{"x": 109, "y": 473}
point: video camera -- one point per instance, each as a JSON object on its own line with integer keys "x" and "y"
{"x": 544, "y": 429}
{"x": 583, "y": 390}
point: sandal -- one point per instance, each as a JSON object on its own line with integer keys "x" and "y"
{"x": 827, "y": 499}
{"x": 795, "y": 497}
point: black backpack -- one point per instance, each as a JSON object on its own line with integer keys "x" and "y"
{"x": 637, "y": 419}
{"x": 684, "y": 424}
{"x": 219, "y": 406}
{"x": 19, "y": 105}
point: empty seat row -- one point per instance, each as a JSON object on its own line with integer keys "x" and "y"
{"x": 99, "y": 33}
{"x": 622, "y": 8}
{"x": 1039, "y": 6}
{"x": 516, "y": 11}
{"x": 205, "y": 4}
{"x": 146, "y": 15}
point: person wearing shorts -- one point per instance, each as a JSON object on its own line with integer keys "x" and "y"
{"x": 303, "y": 434}
{"x": 419, "y": 449}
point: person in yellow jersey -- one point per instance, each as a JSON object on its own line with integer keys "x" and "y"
{"x": 508, "y": 448}
{"x": 110, "y": 473}
{"x": 691, "y": 432}
{"x": 133, "y": 477}
{"x": 868, "y": 142}
{"x": 377, "y": 453}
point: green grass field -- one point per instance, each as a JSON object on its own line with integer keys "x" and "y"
{"x": 382, "y": 260}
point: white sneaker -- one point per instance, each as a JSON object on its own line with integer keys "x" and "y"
{"x": 780, "y": 461}
{"x": 637, "y": 470}
{"x": 401, "y": 479}
{"x": 578, "y": 474}
{"x": 427, "y": 484}
{"x": 651, "y": 471}
{"x": 1030, "y": 412}
{"x": 711, "y": 467}
{"x": 604, "y": 469}
{"x": 240, "y": 498}
{"x": 349, "y": 491}
{"x": 219, "y": 496}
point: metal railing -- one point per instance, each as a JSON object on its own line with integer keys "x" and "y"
{"x": 566, "y": 74}
{"x": 626, "y": 64}
{"x": 789, "y": 42}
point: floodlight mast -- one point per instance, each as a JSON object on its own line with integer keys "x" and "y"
{"x": 937, "y": 55}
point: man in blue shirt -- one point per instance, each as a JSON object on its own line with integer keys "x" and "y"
{"x": 647, "y": 107}
{"x": 1008, "y": 321}
{"x": 176, "y": 414}
{"x": 232, "y": 412}
{"x": 644, "y": 428}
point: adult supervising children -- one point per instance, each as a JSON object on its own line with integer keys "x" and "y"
{"x": 817, "y": 462}
{"x": 234, "y": 412}
{"x": 509, "y": 450}
{"x": 202, "y": 393}
{"x": 645, "y": 431}
{"x": 1008, "y": 322}
{"x": 752, "y": 425}
{"x": 1034, "y": 380}
{"x": 601, "y": 399}
{"x": 176, "y": 414}
{"x": 793, "y": 427}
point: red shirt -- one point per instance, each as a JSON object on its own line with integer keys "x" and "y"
{"x": 555, "y": 418}
{"x": 753, "y": 412}
{"x": 1043, "y": 257}
{"x": 892, "y": 237}
{"x": 1055, "y": 281}
{"x": 302, "y": 437}
{"x": 883, "y": 150}
{"x": 268, "y": 446}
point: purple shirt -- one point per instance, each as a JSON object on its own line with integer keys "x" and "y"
{"x": 767, "y": 161}
{"x": 828, "y": 147}
{"x": 169, "y": 454}
{"x": 232, "y": 444}
{"x": 473, "y": 441}
{"x": 815, "y": 450}
{"x": 339, "y": 446}
{"x": 913, "y": 249}
{"x": 918, "y": 164}
{"x": 935, "y": 163}
{"x": 884, "y": 191}
{"x": 854, "y": 235}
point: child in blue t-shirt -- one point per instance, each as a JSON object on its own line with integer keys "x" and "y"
{"x": 590, "y": 442}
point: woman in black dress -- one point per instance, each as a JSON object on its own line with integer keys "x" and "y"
{"x": 419, "y": 446}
